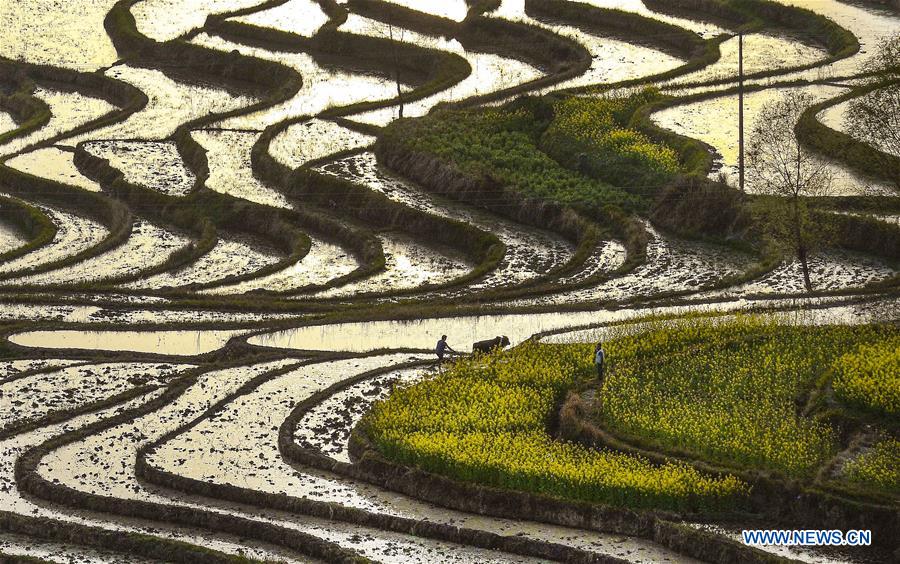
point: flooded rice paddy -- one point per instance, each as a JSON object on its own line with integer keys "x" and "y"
{"x": 232, "y": 256}
{"x": 530, "y": 252}
{"x": 230, "y": 170}
{"x": 54, "y": 164}
{"x": 11, "y": 238}
{"x": 612, "y": 60}
{"x": 153, "y": 165}
{"x": 407, "y": 265}
{"x": 164, "y": 20}
{"x": 315, "y": 139}
{"x": 69, "y": 110}
{"x": 62, "y": 34}
{"x": 171, "y": 103}
{"x": 714, "y": 120}
{"x": 324, "y": 262}
{"x": 226, "y": 343}
{"x": 75, "y": 234}
{"x": 301, "y": 17}
{"x": 148, "y": 246}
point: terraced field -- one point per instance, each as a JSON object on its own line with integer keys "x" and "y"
{"x": 215, "y": 259}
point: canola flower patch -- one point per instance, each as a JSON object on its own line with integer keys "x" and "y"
{"x": 504, "y": 145}
{"x": 877, "y": 468}
{"x": 728, "y": 393}
{"x": 869, "y": 377}
{"x": 592, "y": 135}
{"x": 485, "y": 420}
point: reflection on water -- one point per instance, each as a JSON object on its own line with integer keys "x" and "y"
{"x": 671, "y": 265}
{"x": 302, "y": 17}
{"x": 233, "y": 255}
{"x": 151, "y": 164}
{"x": 869, "y": 24}
{"x": 149, "y": 245}
{"x": 74, "y": 234}
{"x": 178, "y": 343}
{"x": 68, "y": 110}
{"x": 7, "y": 123}
{"x": 322, "y": 87}
{"x": 163, "y": 20}
{"x": 230, "y": 169}
{"x": 762, "y": 52}
{"x": 324, "y": 261}
{"x": 453, "y": 9}
{"x": 408, "y": 265}
{"x": 463, "y": 331}
{"x": 58, "y": 33}
{"x": 715, "y": 122}
{"x": 238, "y": 447}
{"x": 612, "y": 60}
{"x": 170, "y": 104}
{"x": 489, "y": 73}
{"x": 530, "y": 252}
{"x": 835, "y": 116}
{"x": 54, "y": 164}
{"x": 314, "y": 139}
{"x": 10, "y": 237}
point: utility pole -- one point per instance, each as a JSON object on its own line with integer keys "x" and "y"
{"x": 741, "y": 110}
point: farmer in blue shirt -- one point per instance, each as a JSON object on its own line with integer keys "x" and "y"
{"x": 600, "y": 361}
{"x": 441, "y": 348}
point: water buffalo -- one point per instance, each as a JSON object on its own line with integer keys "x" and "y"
{"x": 490, "y": 344}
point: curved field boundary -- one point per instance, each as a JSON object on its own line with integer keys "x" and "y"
{"x": 449, "y": 71}
{"x": 772, "y": 495}
{"x": 112, "y": 214}
{"x": 63, "y": 415}
{"x": 34, "y": 223}
{"x": 433, "y": 70}
{"x": 837, "y": 145}
{"x": 29, "y": 480}
{"x": 326, "y": 510}
{"x": 360, "y": 203}
{"x": 126, "y": 98}
{"x": 275, "y": 83}
{"x": 626, "y": 26}
{"x": 380, "y": 212}
{"x": 146, "y": 546}
{"x": 413, "y": 20}
{"x": 436, "y": 176}
{"x": 472, "y": 498}
{"x": 757, "y": 15}
{"x": 29, "y": 112}
{"x": 561, "y": 57}
{"x": 863, "y": 234}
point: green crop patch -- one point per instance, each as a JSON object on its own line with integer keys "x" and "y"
{"x": 485, "y": 420}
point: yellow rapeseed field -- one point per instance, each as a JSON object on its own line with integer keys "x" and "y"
{"x": 726, "y": 390}
{"x": 878, "y": 468}
{"x": 485, "y": 420}
{"x": 869, "y": 377}
{"x": 728, "y": 393}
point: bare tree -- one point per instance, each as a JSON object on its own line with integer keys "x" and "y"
{"x": 788, "y": 174}
{"x": 875, "y": 116}
{"x": 396, "y": 59}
